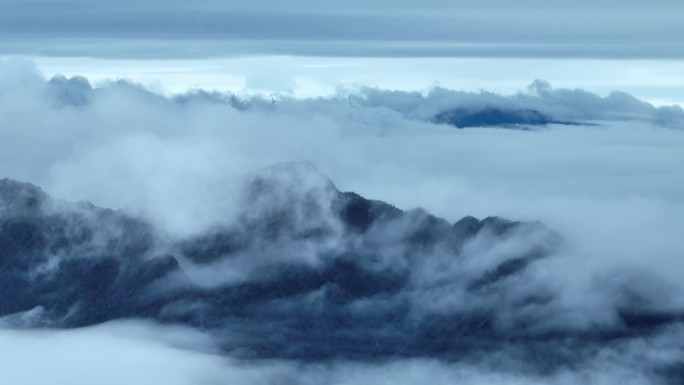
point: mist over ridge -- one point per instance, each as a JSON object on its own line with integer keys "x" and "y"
{"x": 311, "y": 274}
{"x": 348, "y": 234}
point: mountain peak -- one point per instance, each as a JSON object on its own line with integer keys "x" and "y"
{"x": 20, "y": 196}
{"x": 302, "y": 175}
{"x": 495, "y": 117}
{"x": 304, "y": 256}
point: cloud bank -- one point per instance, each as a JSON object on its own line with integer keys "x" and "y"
{"x": 139, "y": 352}
{"x": 192, "y": 176}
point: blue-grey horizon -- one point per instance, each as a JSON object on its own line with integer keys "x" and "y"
{"x": 435, "y": 28}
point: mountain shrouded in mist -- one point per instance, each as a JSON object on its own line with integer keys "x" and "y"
{"x": 494, "y": 117}
{"x": 305, "y": 272}
{"x": 325, "y": 273}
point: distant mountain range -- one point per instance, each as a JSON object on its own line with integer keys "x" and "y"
{"x": 305, "y": 272}
{"x": 496, "y": 117}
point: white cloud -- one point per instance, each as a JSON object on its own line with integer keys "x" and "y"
{"x": 613, "y": 190}
{"x": 136, "y": 352}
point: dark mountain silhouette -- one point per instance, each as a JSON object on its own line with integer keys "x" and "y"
{"x": 323, "y": 274}
{"x": 491, "y": 116}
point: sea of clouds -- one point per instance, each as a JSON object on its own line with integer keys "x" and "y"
{"x": 613, "y": 188}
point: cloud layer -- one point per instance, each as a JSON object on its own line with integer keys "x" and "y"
{"x": 139, "y": 352}
{"x": 181, "y": 166}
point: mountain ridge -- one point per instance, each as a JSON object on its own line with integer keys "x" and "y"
{"x": 361, "y": 280}
{"x": 497, "y": 117}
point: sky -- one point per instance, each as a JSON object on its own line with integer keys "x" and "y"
{"x": 307, "y": 48}
{"x": 582, "y": 29}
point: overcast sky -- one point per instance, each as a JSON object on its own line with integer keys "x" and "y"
{"x": 306, "y": 48}
{"x": 490, "y": 28}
